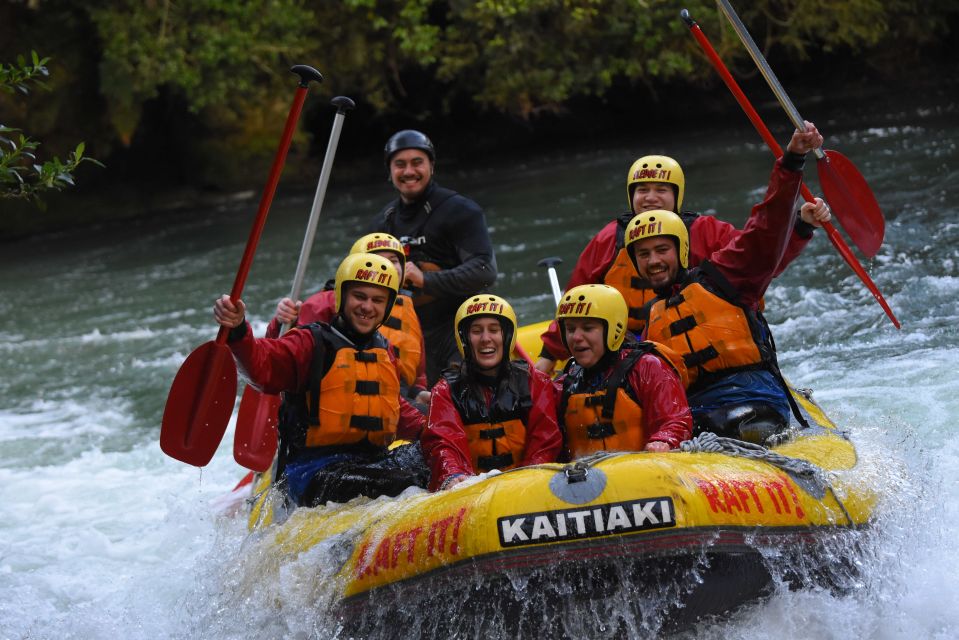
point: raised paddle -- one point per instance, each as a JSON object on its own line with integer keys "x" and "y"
{"x": 831, "y": 231}
{"x": 203, "y": 392}
{"x": 255, "y": 439}
{"x": 846, "y": 190}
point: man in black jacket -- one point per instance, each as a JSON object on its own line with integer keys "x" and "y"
{"x": 450, "y": 256}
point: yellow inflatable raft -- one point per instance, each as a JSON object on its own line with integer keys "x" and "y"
{"x": 671, "y": 537}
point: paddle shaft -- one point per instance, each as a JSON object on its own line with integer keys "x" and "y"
{"x": 342, "y": 104}
{"x": 766, "y": 70}
{"x": 306, "y": 74}
{"x": 550, "y": 264}
{"x": 831, "y": 231}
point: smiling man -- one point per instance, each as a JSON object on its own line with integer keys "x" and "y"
{"x": 711, "y": 313}
{"x": 449, "y": 253}
{"x": 616, "y": 396}
{"x": 657, "y": 182}
{"x": 341, "y": 384}
{"x": 490, "y": 412}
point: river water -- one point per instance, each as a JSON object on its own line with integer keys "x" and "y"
{"x": 103, "y": 536}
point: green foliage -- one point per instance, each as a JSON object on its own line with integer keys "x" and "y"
{"x": 21, "y": 174}
{"x": 223, "y": 56}
{"x": 226, "y": 61}
{"x": 522, "y": 57}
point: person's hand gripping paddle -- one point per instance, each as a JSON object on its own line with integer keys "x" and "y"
{"x": 202, "y": 395}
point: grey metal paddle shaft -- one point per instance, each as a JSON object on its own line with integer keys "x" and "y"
{"x": 764, "y": 68}
{"x": 343, "y": 105}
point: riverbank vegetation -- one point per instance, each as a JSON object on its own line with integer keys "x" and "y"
{"x": 193, "y": 95}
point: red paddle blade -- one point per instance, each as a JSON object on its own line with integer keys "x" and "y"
{"x": 852, "y": 202}
{"x": 254, "y": 443}
{"x": 199, "y": 405}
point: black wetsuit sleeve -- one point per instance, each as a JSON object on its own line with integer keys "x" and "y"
{"x": 465, "y": 226}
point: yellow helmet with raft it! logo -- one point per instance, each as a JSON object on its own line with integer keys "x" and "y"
{"x": 379, "y": 242}
{"x": 485, "y": 305}
{"x": 656, "y": 169}
{"x": 366, "y": 268}
{"x": 658, "y": 222}
{"x": 599, "y": 301}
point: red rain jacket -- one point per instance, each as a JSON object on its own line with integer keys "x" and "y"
{"x": 444, "y": 440}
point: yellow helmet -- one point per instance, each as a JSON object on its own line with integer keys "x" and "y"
{"x": 379, "y": 242}
{"x": 595, "y": 301}
{"x": 655, "y": 169}
{"x": 659, "y": 222}
{"x": 367, "y": 268}
{"x": 485, "y": 305}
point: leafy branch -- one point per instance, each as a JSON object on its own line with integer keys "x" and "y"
{"x": 22, "y": 175}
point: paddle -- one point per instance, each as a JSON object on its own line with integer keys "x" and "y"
{"x": 831, "y": 231}
{"x": 255, "y": 439}
{"x": 846, "y": 190}
{"x": 550, "y": 264}
{"x": 201, "y": 397}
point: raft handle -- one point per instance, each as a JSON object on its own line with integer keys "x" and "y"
{"x": 576, "y": 472}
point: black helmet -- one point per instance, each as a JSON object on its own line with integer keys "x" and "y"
{"x": 408, "y": 139}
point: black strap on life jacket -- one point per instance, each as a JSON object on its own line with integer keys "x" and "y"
{"x": 393, "y": 323}
{"x": 488, "y": 463}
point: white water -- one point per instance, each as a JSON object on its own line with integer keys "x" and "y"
{"x": 102, "y": 536}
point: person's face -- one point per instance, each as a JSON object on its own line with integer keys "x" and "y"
{"x": 486, "y": 342}
{"x": 410, "y": 172}
{"x": 656, "y": 260}
{"x": 395, "y": 259}
{"x": 653, "y": 195}
{"x": 365, "y": 306}
{"x": 584, "y": 337}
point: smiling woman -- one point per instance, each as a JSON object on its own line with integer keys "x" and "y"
{"x": 489, "y": 412}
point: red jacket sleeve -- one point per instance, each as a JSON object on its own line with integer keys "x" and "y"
{"x": 445, "y": 445}
{"x": 274, "y": 365}
{"x": 411, "y": 423}
{"x": 750, "y": 259}
{"x": 666, "y": 415}
{"x": 543, "y": 439}
{"x": 794, "y": 247}
{"x": 709, "y": 234}
{"x": 320, "y": 307}
{"x": 591, "y": 268}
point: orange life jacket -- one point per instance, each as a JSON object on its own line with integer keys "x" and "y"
{"x": 403, "y": 331}
{"x": 608, "y": 418}
{"x": 357, "y": 398}
{"x": 588, "y": 429}
{"x": 712, "y": 333}
{"x": 498, "y": 445}
{"x": 496, "y": 430}
{"x": 637, "y": 292}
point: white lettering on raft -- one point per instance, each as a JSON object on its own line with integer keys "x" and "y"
{"x": 604, "y": 519}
